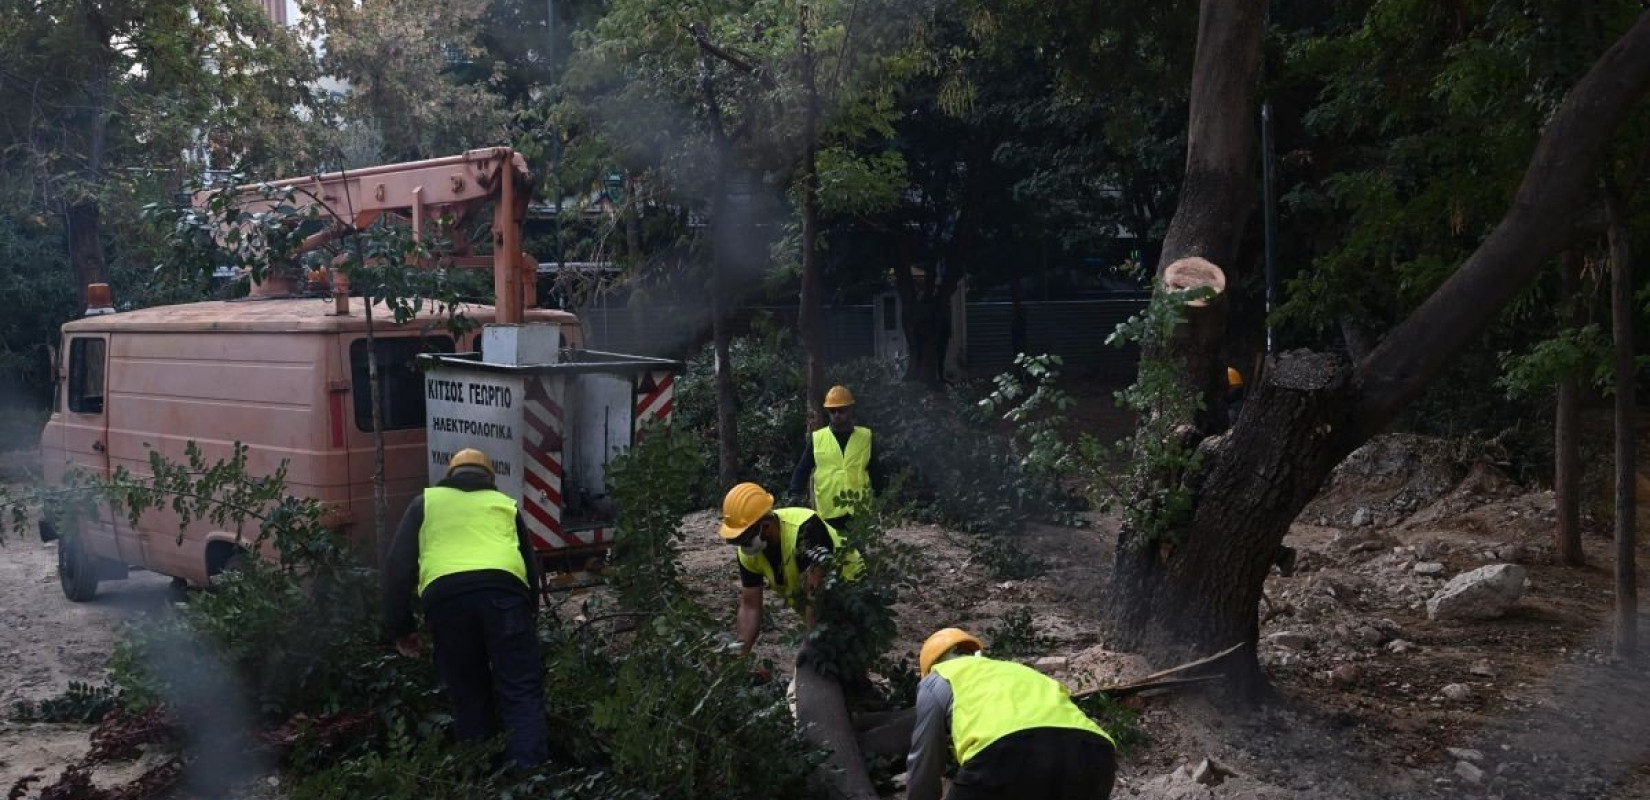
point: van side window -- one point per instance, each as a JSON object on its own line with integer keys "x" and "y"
{"x": 86, "y": 366}
{"x": 400, "y": 384}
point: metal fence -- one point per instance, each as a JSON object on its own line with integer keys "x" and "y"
{"x": 1075, "y": 330}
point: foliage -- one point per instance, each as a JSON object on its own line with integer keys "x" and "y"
{"x": 1016, "y": 636}
{"x": 767, "y": 377}
{"x": 653, "y": 484}
{"x": 405, "y": 64}
{"x": 1585, "y": 354}
{"x": 1117, "y": 719}
{"x": 854, "y": 621}
{"x": 1154, "y": 494}
{"x": 81, "y": 702}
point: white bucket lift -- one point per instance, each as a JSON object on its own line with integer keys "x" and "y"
{"x": 551, "y": 420}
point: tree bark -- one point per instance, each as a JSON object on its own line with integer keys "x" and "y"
{"x": 1567, "y": 433}
{"x": 85, "y": 243}
{"x": 727, "y": 400}
{"x": 1622, "y": 309}
{"x": 1309, "y": 411}
{"x": 1217, "y": 192}
{"x": 82, "y": 216}
{"x": 813, "y": 285}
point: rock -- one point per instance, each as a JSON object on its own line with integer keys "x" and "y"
{"x": 1484, "y": 593}
{"x": 1368, "y": 635}
{"x": 1177, "y": 785}
{"x": 1210, "y": 772}
{"x": 1428, "y": 568}
{"x": 1465, "y": 754}
{"x": 1050, "y": 664}
{"x": 1399, "y": 646}
{"x": 1469, "y": 773}
{"x": 1457, "y": 691}
{"x": 1345, "y": 674}
{"x": 1510, "y": 552}
{"x": 1290, "y": 639}
{"x": 1482, "y": 669}
{"x": 1361, "y": 518}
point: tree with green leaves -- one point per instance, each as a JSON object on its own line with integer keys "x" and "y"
{"x": 1198, "y": 582}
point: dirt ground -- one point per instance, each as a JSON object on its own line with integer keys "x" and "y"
{"x": 1372, "y": 699}
{"x": 46, "y": 642}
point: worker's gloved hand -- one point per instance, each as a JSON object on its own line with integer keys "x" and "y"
{"x": 409, "y": 645}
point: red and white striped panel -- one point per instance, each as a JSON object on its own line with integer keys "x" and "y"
{"x": 541, "y": 498}
{"x": 655, "y": 393}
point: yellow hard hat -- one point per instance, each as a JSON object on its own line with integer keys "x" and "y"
{"x": 470, "y": 457}
{"x": 1234, "y": 378}
{"x": 838, "y": 397}
{"x": 743, "y": 506}
{"x": 944, "y": 641}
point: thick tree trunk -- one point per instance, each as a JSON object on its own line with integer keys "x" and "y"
{"x": 813, "y": 284}
{"x": 1567, "y": 435}
{"x": 1217, "y": 192}
{"x": 1622, "y": 309}
{"x": 1202, "y": 593}
{"x": 1309, "y": 411}
{"x": 85, "y": 243}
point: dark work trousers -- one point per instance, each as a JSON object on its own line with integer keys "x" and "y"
{"x": 1042, "y": 763}
{"x": 487, "y": 653}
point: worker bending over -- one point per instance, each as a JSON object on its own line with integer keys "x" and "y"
{"x": 1014, "y": 731}
{"x": 465, "y": 547}
{"x": 840, "y": 459}
{"x": 779, "y": 548}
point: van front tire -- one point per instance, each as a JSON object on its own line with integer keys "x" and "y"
{"x": 76, "y": 570}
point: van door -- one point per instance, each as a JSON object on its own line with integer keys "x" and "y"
{"x": 85, "y": 434}
{"x": 401, "y": 389}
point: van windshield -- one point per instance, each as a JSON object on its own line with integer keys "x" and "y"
{"x": 401, "y": 385}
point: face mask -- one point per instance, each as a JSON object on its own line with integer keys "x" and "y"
{"x": 754, "y": 547}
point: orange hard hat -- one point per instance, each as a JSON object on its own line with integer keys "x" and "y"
{"x": 944, "y": 641}
{"x": 743, "y": 506}
{"x": 470, "y": 457}
{"x": 838, "y": 397}
{"x": 1234, "y": 378}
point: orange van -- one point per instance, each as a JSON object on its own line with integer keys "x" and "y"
{"x": 287, "y": 377}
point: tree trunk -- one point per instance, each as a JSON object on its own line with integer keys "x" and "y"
{"x": 1567, "y": 433}
{"x": 1309, "y": 410}
{"x": 722, "y": 248}
{"x": 1217, "y": 193}
{"x": 85, "y": 243}
{"x": 1622, "y": 309}
{"x": 813, "y": 285}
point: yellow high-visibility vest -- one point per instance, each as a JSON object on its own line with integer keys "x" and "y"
{"x": 991, "y": 699}
{"x": 467, "y": 531}
{"x": 838, "y": 469}
{"x": 790, "y": 522}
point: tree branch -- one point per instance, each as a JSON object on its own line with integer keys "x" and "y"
{"x": 1555, "y": 189}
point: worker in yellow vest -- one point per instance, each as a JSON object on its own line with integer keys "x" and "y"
{"x": 1014, "y": 732}
{"x": 464, "y": 547}
{"x": 781, "y": 549}
{"x": 839, "y": 459}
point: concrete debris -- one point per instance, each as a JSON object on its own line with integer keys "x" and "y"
{"x": 1482, "y": 669}
{"x": 1290, "y": 639}
{"x": 1457, "y": 691}
{"x": 1428, "y": 568}
{"x": 1361, "y": 518}
{"x": 1048, "y": 664}
{"x": 1465, "y": 754}
{"x": 1469, "y": 773}
{"x": 1210, "y": 772}
{"x": 1400, "y": 646}
{"x": 1177, "y": 785}
{"x": 1484, "y": 593}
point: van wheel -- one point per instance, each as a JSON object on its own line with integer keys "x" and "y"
{"x": 76, "y": 570}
